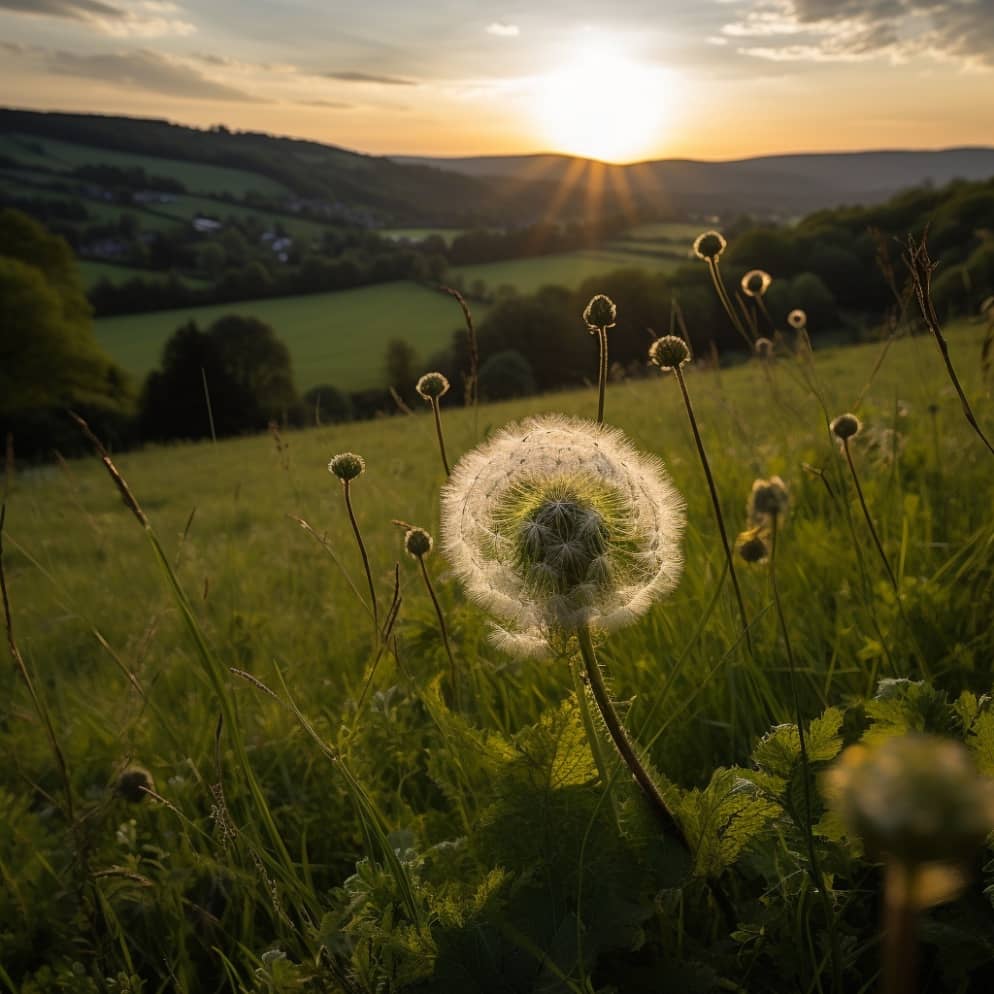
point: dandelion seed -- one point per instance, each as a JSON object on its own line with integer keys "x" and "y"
{"x": 709, "y": 245}
{"x": 797, "y": 319}
{"x": 756, "y": 282}
{"x": 557, "y": 523}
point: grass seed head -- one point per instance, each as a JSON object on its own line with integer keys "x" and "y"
{"x": 709, "y": 245}
{"x": 601, "y": 312}
{"x": 133, "y": 783}
{"x": 557, "y": 522}
{"x": 845, "y": 426}
{"x": 915, "y": 798}
{"x": 417, "y": 542}
{"x": 768, "y": 499}
{"x": 347, "y": 466}
{"x": 797, "y": 319}
{"x": 756, "y": 282}
{"x": 669, "y": 352}
{"x": 431, "y": 386}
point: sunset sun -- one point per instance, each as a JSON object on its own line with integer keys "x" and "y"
{"x": 602, "y": 104}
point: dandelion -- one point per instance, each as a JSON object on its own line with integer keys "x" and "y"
{"x": 347, "y": 466}
{"x": 768, "y": 500}
{"x": 431, "y": 387}
{"x": 756, "y": 282}
{"x": 599, "y": 315}
{"x": 918, "y": 803}
{"x": 709, "y": 247}
{"x": 671, "y": 352}
{"x": 845, "y": 426}
{"x": 560, "y": 527}
{"x": 797, "y": 319}
{"x": 134, "y": 783}
{"x": 752, "y": 547}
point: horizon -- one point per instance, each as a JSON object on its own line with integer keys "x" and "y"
{"x": 712, "y": 81}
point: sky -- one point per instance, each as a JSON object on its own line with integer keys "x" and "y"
{"x": 632, "y": 80}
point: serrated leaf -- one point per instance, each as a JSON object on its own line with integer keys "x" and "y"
{"x": 981, "y": 742}
{"x": 902, "y": 706}
{"x": 778, "y": 753}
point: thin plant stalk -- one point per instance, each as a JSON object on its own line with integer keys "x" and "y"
{"x": 715, "y": 503}
{"x": 365, "y": 558}
{"x": 602, "y": 373}
{"x": 922, "y": 267}
{"x": 438, "y": 430}
{"x": 622, "y": 742}
{"x": 900, "y": 927}
{"x": 814, "y": 865}
{"x": 726, "y": 303}
{"x": 441, "y": 621}
{"x": 866, "y": 515}
{"x": 471, "y": 379}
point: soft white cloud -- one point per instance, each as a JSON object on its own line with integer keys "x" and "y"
{"x": 131, "y": 19}
{"x": 503, "y": 30}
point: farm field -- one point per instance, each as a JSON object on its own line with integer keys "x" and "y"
{"x": 334, "y": 338}
{"x": 457, "y": 828}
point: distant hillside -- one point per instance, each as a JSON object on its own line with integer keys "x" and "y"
{"x": 775, "y": 183}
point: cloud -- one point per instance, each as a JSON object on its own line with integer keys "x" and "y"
{"x": 849, "y": 30}
{"x": 363, "y": 77}
{"x": 147, "y": 71}
{"x": 326, "y": 104}
{"x": 139, "y": 19}
{"x": 503, "y": 30}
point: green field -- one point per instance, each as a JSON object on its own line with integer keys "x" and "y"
{"x": 417, "y": 234}
{"x": 455, "y": 832}
{"x": 196, "y": 177}
{"x": 337, "y": 338}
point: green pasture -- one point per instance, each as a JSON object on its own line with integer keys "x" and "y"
{"x": 337, "y": 338}
{"x": 196, "y": 177}
{"x": 421, "y": 826}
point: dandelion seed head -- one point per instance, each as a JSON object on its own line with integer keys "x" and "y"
{"x": 917, "y": 798}
{"x": 347, "y": 466}
{"x": 601, "y": 312}
{"x": 709, "y": 245}
{"x": 797, "y": 319}
{"x": 133, "y": 783}
{"x": 751, "y": 546}
{"x": 557, "y": 522}
{"x": 764, "y": 348}
{"x": 756, "y": 282}
{"x": 431, "y": 386}
{"x": 768, "y": 499}
{"x": 669, "y": 352}
{"x": 417, "y": 542}
{"x": 845, "y": 426}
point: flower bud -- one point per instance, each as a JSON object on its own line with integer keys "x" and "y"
{"x": 756, "y": 282}
{"x": 764, "y": 348}
{"x": 431, "y": 386}
{"x": 417, "y": 542}
{"x": 797, "y": 319}
{"x": 669, "y": 352}
{"x": 347, "y": 466}
{"x": 752, "y": 547}
{"x": 600, "y": 312}
{"x": 133, "y": 783}
{"x": 768, "y": 499}
{"x": 845, "y": 426}
{"x": 709, "y": 245}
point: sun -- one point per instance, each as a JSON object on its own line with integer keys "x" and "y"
{"x": 602, "y": 104}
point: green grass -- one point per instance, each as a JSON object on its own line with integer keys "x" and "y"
{"x": 196, "y": 177}
{"x": 503, "y": 830}
{"x": 337, "y": 338}
{"x": 567, "y": 269}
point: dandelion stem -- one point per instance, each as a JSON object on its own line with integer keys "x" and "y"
{"x": 441, "y": 621}
{"x": 602, "y": 373}
{"x": 866, "y": 515}
{"x": 715, "y": 503}
{"x": 726, "y": 303}
{"x": 900, "y": 943}
{"x": 438, "y": 430}
{"x": 814, "y": 866}
{"x": 365, "y": 558}
{"x": 621, "y": 740}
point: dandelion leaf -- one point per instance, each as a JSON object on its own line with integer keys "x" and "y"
{"x": 903, "y": 706}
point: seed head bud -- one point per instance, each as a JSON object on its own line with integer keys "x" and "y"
{"x": 915, "y": 798}
{"x": 845, "y": 426}
{"x": 431, "y": 386}
{"x": 764, "y": 348}
{"x": 756, "y": 282}
{"x": 768, "y": 499}
{"x": 133, "y": 783}
{"x": 600, "y": 312}
{"x": 987, "y": 307}
{"x": 417, "y": 542}
{"x": 669, "y": 352}
{"x": 709, "y": 245}
{"x": 752, "y": 547}
{"x": 347, "y": 466}
{"x": 797, "y": 319}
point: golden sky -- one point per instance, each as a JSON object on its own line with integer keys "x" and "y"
{"x": 711, "y": 79}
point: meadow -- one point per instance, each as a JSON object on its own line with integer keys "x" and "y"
{"x": 332, "y": 816}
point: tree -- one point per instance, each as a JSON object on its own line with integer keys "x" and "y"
{"x": 400, "y": 369}
{"x": 505, "y": 375}
{"x": 248, "y": 375}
